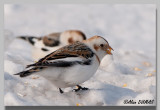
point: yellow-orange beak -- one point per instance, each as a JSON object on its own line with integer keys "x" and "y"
{"x": 109, "y": 50}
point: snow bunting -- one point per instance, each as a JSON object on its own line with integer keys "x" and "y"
{"x": 44, "y": 45}
{"x": 71, "y": 65}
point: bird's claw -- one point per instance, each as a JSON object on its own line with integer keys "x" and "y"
{"x": 80, "y": 88}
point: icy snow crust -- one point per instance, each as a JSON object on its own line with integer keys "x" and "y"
{"x": 128, "y": 74}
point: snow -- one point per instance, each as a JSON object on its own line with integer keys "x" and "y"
{"x": 128, "y": 74}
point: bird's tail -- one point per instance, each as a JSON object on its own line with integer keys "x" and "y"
{"x": 29, "y": 39}
{"x": 29, "y": 72}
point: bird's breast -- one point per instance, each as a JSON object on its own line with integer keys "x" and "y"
{"x": 71, "y": 76}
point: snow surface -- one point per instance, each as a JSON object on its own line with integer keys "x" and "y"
{"x": 128, "y": 74}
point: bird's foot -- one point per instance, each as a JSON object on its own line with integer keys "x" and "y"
{"x": 80, "y": 88}
{"x": 76, "y": 90}
{"x": 84, "y": 88}
{"x": 60, "y": 90}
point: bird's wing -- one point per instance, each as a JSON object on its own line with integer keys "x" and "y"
{"x": 77, "y": 49}
{"x": 59, "y": 58}
{"x": 52, "y": 39}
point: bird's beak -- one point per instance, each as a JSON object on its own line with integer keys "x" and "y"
{"x": 109, "y": 50}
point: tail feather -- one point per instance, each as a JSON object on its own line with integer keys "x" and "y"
{"x": 24, "y": 73}
{"x": 31, "y": 65}
{"x": 30, "y": 39}
{"x": 22, "y": 37}
{"x": 29, "y": 72}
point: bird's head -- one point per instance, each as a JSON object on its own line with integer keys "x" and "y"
{"x": 72, "y": 36}
{"x": 99, "y": 45}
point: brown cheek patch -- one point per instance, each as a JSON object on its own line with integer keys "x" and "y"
{"x": 70, "y": 40}
{"x": 96, "y": 47}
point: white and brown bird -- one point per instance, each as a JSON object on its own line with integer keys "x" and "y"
{"x": 71, "y": 65}
{"x": 44, "y": 45}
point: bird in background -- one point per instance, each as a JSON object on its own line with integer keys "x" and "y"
{"x": 71, "y": 65}
{"x": 44, "y": 45}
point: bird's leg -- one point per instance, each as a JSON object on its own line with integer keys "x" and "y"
{"x": 60, "y": 90}
{"x": 80, "y": 88}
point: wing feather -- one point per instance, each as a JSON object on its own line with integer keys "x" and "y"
{"x": 77, "y": 49}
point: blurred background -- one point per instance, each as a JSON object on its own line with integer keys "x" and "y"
{"x": 131, "y": 27}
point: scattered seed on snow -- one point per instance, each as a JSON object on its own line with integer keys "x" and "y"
{"x": 149, "y": 75}
{"x": 34, "y": 86}
{"x": 137, "y": 69}
{"x": 78, "y": 104}
{"x": 26, "y": 83}
{"x": 124, "y": 85}
{"x": 146, "y": 64}
{"x": 35, "y": 77}
{"x": 21, "y": 95}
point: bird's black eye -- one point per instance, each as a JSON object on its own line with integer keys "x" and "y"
{"x": 101, "y": 45}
